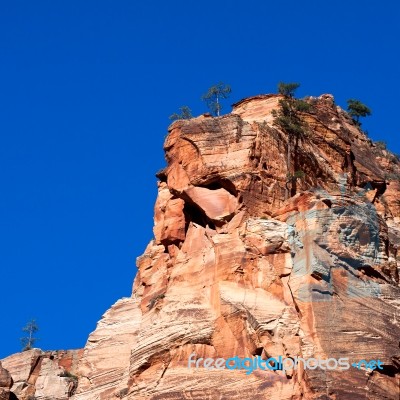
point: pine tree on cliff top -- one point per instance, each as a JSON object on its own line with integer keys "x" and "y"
{"x": 356, "y": 109}
{"x": 29, "y": 341}
{"x": 214, "y": 95}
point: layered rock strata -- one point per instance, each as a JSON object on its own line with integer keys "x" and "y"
{"x": 234, "y": 269}
{"x": 248, "y": 261}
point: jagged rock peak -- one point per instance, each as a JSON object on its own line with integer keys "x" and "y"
{"x": 260, "y": 251}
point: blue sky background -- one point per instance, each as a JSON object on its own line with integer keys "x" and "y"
{"x": 86, "y": 88}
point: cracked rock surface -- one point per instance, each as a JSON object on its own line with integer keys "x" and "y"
{"x": 239, "y": 268}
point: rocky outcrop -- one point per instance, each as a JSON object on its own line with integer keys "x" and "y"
{"x": 235, "y": 269}
{"x": 253, "y": 261}
{"x": 43, "y": 375}
{"x": 6, "y": 383}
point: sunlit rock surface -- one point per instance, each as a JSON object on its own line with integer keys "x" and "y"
{"x": 246, "y": 263}
{"x": 40, "y": 375}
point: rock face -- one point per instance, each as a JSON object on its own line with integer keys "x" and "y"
{"x": 6, "y": 383}
{"x": 235, "y": 269}
{"x": 248, "y": 263}
{"x": 106, "y": 358}
{"x": 43, "y": 375}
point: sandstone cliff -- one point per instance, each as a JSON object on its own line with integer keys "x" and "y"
{"x": 235, "y": 269}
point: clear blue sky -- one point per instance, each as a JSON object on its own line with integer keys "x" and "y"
{"x": 86, "y": 91}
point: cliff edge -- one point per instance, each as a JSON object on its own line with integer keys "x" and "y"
{"x": 250, "y": 260}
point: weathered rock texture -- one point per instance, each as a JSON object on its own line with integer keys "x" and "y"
{"x": 235, "y": 269}
{"x": 43, "y": 375}
{"x": 106, "y": 358}
{"x": 6, "y": 383}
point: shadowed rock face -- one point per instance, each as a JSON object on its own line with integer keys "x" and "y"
{"x": 237, "y": 269}
{"x": 5, "y": 383}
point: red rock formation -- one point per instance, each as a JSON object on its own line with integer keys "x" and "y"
{"x": 42, "y": 375}
{"x": 6, "y": 383}
{"x": 234, "y": 269}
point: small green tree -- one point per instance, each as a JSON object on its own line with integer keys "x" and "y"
{"x": 356, "y": 109}
{"x": 28, "y": 341}
{"x": 186, "y": 113}
{"x": 214, "y": 95}
{"x": 287, "y": 89}
{"x": 380, "y": 145}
